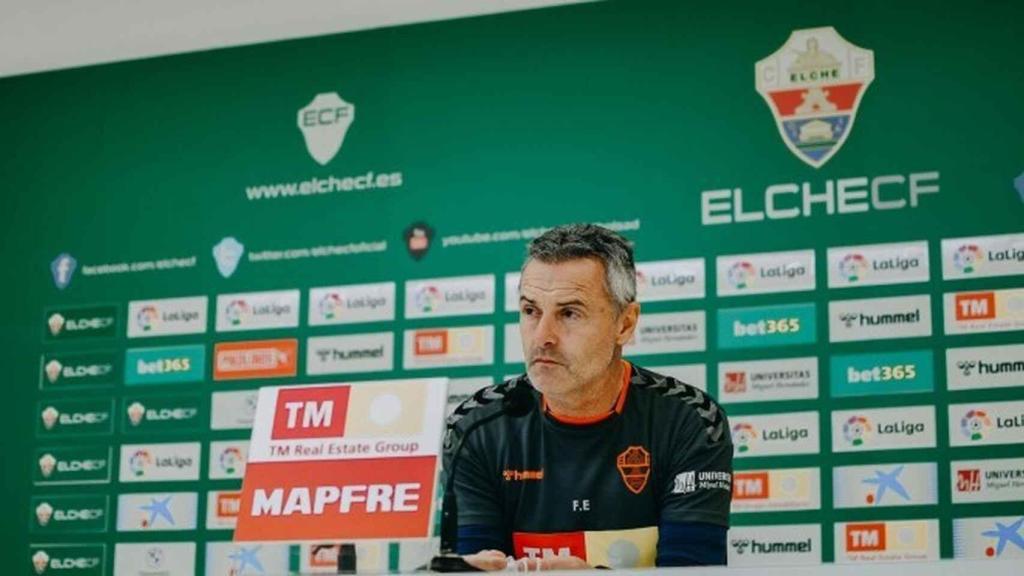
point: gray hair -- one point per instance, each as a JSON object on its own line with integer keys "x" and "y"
{"x": 577, "y": 241}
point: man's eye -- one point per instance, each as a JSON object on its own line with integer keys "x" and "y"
{"x": 569, "y": 313}
{"x": 528, "y": 310}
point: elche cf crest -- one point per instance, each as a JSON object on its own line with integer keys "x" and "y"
{"x": 324, "y": 123}
{"x": 813, "y": 85}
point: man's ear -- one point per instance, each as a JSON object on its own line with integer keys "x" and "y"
{"x": 627, "y": 323}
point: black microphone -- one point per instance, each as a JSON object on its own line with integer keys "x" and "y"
{"x": 516, "y": 403}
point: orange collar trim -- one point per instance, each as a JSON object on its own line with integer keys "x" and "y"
{"x": 627, "y": 373}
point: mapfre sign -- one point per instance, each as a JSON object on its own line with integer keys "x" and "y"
{"x": 343, "y": 462}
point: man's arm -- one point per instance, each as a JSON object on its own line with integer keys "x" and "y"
{"x": 697, "y": 492}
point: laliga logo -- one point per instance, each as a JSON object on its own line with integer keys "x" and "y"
{"x": 813, "y": 85}
{"x": 230, "y": 460}
{"x": 155, "y": 558}
{"x": 324, "y": 123}
{"x": 967, "y": 258}
{"x": 147, "y": 317}
{"x": 331, "y": 306}
{"x": 855, "y": 429}
{"x": 974, "y": 423}
{"x": 852, "y": 267}
{"x": 739, "y": 274}
{"x": 139, "y": 461}
{"x": 428, "y": 298}
{"x": 743, "y": 435}
{"x": 43, "y": 513}
{"x": 237, "y": 311}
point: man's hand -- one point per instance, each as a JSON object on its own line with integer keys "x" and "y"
{"x": 493, "y": 560}
{"x": 487, "y": 560}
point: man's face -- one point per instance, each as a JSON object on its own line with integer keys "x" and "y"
{"x": 569, "y": 324}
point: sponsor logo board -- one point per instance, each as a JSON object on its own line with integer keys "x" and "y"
{"x": 788, "y": 324}
{"x": 155, "y": 558}
{"x": 447, "y": 347}
{"x": 883, "y": 485}
{"x": 233, "y": 410}
{"x": 984, "y": 311}
{"x": 227, "y": 459}
{"x": 374, "y": 446}
{"x": 159, "y": 462}
{"x": 883, "y": 429}
{"x": 229, "y": 559}
{"x": 439, "y": 297}
{"x": 155, "y": 414}
{"x": 76, "y": 559}
{"x": 878, "y": 264}
{"x": 765, "y": 273}
{"x": 983, "y": 256}
{"x": 997, "y": 538}
{"x": 222, "y": 507}
{"x": 665, "y": 280}
{"x": 351, "y": 353}
{"x": 775, "y": 434}
{"x": 986, "y": 423}
{"x": 785, "y": 545}
{"x": 879, "y": 318}
{"x": 994, "y": 480}
{"x": 77, "y": 370}
{"x": 667, "y": 333}
{"x": 882, "y": 373}
{"x": 352, "y": 304}
{"x": 892, "y": 541}
{"x": 768, "y": 380}
{"x": 72, "y": 465}
{"x": 258, "y": 310}
{"x": 165, "y": 365}
{"x": 254, "y": 359}
{"x": 776, "y": 490}
{"x": 79, "y": 323}
{"x": 157, "y": 511}
{"x": 74, "y": 417}
{"x": 69, "y": 513}
{"x": 167, "y": 317}
{"x": 978, "y": 367}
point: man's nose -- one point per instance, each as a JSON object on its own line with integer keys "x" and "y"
{"x": 545, "y": 336}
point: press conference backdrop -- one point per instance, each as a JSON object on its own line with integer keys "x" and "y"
{"x": 826, "y": 201}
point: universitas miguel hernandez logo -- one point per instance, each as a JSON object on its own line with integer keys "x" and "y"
{"x": 813, "y": 85}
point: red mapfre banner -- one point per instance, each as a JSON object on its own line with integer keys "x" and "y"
{"x": 337, "y": 500}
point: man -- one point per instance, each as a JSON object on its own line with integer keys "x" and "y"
{"x": 617, "y": 466}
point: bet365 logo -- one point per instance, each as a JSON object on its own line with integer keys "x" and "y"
{"x": 324, "y": 123}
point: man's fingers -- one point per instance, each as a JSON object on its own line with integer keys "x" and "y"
{"x": 487, "y": 560}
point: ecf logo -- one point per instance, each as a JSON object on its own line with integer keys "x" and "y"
{"x": 324, "y": 123}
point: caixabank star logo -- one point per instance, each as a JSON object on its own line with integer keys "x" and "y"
{"x": 813, "y": 85}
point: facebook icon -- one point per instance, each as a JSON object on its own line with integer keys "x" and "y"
{"x": 63, "y": 268}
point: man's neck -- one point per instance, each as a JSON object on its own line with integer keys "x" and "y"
{"x": 598, "y": 399}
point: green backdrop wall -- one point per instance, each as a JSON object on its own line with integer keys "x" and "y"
{"x": 483, "y": 131}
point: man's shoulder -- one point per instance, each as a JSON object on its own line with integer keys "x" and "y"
{"x": 680, "y": 397}
{"x": 483, "y": 403}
